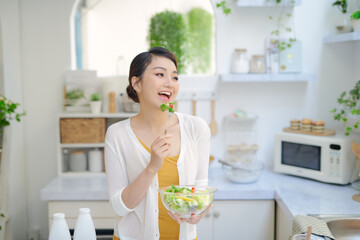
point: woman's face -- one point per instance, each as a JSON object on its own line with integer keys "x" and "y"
{"x": 159, "y": 83}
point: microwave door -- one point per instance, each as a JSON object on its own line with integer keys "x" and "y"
{"x": 301, "y": 155}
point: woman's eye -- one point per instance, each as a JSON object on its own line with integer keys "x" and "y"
{"x": 160, "y": 74}
{"x": 176, "y": 78}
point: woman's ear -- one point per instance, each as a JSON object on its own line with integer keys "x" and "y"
{"x": 135, "y": 82}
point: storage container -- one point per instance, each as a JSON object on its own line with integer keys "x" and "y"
{"x": 82, "y": 130}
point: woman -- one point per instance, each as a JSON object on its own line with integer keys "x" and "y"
{"x": 141, "y": 158}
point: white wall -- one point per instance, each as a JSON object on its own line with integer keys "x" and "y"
{"x": 44, "y": 41}
{"x": 14, "y": 198}
{"x": 46, "y": 55}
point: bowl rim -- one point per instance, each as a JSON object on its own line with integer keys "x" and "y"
{"x": 258, "y": 167}
{"x": 211, "y": 190}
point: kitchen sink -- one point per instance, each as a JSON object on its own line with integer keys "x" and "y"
{"x": 342, "y": 227}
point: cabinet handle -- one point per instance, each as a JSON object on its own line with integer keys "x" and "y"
{"x": 208, "y": 215}
{"x": 216, "y": 214}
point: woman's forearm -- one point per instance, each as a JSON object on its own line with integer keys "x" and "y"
{"x": 135, "y": 192}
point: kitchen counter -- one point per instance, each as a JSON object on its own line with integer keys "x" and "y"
{"x": 294, "y": 195}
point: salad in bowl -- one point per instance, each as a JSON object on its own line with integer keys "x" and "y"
{"x": 187, "y": 200}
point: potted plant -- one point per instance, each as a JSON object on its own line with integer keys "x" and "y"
{"x": 355, "y": 18}
{"x": 342, "y": 20}
{"x": 349, "y": 110}
{"x": 7, "y": 113}
{"x": 95, "y": 103}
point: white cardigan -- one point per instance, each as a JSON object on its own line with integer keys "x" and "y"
{"x": 126, "y": 158}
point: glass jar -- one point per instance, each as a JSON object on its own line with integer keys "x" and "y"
{"x": 239, "y": 62}
{"x": 258, "y": 64}
{"x": 343, "y": 22}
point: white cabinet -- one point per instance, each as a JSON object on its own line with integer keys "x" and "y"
{"x": 101, "y": 212}
{"x": 65, "y": 149}
{"x": 283, "y": 223}
{"x": 241, "y": 219}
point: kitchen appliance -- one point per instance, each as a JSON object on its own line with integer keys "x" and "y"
{"x": 324, "y": 158}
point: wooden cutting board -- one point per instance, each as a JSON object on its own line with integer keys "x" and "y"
{"x": 327, "y": 132}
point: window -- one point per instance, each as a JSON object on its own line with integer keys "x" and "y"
{"x": 109, "y": 33}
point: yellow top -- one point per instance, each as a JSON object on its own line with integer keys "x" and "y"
{"x": 169, "y": 229}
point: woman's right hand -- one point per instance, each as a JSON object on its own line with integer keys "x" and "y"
{"x": 159, "y": 150}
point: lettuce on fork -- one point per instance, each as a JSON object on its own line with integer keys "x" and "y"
{"x": 167, "y": 106}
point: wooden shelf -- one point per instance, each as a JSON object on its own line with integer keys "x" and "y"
{"x": 285, "y": 77}
{"x": 267, "y": 3}
{"x": 344, "y": 37}
{"x": 100, "y": 115}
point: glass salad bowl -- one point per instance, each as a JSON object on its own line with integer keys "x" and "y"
{"x": 187, "y": 200}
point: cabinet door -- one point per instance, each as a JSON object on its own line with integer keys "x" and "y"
{"x": 283, "y": 224}
{"x": 101, "y": 212}
{"x": 205, "y": 227}
{"x": 243, "y": 220}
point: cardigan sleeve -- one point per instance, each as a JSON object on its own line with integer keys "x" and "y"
{"x": 117, "y": 179}
{"x": 203, "y": 154}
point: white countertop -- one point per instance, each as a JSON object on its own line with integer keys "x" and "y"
{"x": 295, "y": 195}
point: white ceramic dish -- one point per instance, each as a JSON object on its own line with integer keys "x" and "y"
{"x": 244, "y": 172}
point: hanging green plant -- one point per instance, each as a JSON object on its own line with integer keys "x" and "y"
{"x": 349, "y": 108}
{"x": 200, "y": 27}
{"x": 223, "y": 5}
{"x": 168, "y": 30}
{"x": 280, "y": 27}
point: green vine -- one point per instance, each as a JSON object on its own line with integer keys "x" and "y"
{"x": 168, "y": 29}
{"x": 349, "y": 102}
{"x": 200, "y": 26}
{"x": 281, "y": 27}
{"x": 223, "y": 5}
{"x": 342, "y": 5}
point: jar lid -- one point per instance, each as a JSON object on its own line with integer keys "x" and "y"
{"x": 240, "y": 50}
{"x": 258, "y": 56}
{"x": 78, "y": 152}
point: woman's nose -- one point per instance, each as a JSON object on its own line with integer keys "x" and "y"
{"x": 168, "y": 81}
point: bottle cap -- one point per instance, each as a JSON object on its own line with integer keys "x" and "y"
{"x": 84, "y": 210}
{"x": 59, "y": 216}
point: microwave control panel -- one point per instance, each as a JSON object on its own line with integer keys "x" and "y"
{"x": 335, "y": 156}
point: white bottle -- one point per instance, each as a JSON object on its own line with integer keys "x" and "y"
{"x": 84, "y": 228}
{"x": 59, "y": 229}
{"x": 95, "y": 160}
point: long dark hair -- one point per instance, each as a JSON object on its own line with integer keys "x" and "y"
{"x": 139, "y": 64}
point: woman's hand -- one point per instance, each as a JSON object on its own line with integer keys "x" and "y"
{"x": 159, "y": 149}
{"x": 192, "y": 220}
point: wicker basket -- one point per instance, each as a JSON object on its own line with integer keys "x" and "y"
{"x": 82, "y": 130}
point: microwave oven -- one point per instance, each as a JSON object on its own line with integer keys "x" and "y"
{"x": 323, "y": 158}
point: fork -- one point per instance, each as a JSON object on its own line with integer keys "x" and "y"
{"x": 167, "y": 122}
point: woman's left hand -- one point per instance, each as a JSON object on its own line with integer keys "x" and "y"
{"x": 192, "y": 220}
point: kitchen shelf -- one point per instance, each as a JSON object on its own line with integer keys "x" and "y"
{"x": 267, "y": 3}
{"x": 82, "y": 145}
{"x": 280, "y": 77}
{"x": 63, "y": 158}
{"x": 100, "y": 115}
{"x": 344, "y": 37}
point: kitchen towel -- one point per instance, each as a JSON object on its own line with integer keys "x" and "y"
{"x": 319, "y": 227}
